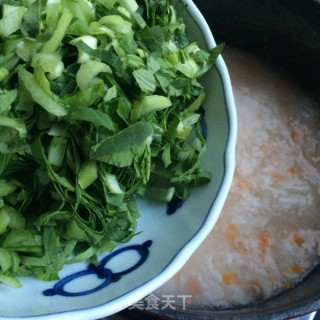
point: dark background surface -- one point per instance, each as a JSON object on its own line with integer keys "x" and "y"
{"x": 286, "y": 32}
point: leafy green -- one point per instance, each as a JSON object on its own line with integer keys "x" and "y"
{"x": 99, "y": 104}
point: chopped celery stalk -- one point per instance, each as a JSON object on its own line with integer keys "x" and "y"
{"x": 118, "y": 49}
{"x": 88, "y": 173}
{"x": 135, "y": 62}
{"x": 25, "y": 48}
{"x": 89, "y": 41}
{"x": 4, "y": 220}
{"x": 117, "y": 24}
{"x": 148, "y": 104}
{"x": 10, "y": 280}
{"x": 124, "y": 12}
{"x": 97, "y": 28}
{"x": 190, "y": 68}
{"x": 11, "y": 19}
{"x": 109, "y": 4}
{"x": 130, "y": 5}
{"x": 39, "y": 95}
{"x": 158, "y": 194}
{"x": 82, "y": 12}
{"x": 16, "y": 124}
{"x": 50, "y": 63}
{"x": 56, "y": 130}
{"x": 42, "y": 80}
{"x": 6, "y": 188}
{"x": 55, "y": 41}
{"x": 86, "y": 75}
{"x": 5, "y": 260}
{"x": 196, "y": 104}
{"x": 56, "y": 151}
{"x": 185, "y": 126}
{"x": 3, "y": 73}
{"x": 53, "y": 12}
{"x": 112, "y": 183}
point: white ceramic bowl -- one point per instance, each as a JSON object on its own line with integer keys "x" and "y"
{"x": 136, "y": 269}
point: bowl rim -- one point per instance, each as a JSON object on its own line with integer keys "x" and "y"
{"x": 181, "y": 257}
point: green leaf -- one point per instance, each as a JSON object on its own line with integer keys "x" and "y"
{"x": 96, "y": 117}
{"x": 145, "y": 80}
{"x": 51, "y": 249}
{"x": 6, "y": 100}
{"x": 11, "y": 19}
{"x": 130, "y": 137}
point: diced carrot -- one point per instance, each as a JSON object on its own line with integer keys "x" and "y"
{"x": 244, "y": 185}
{"x": 264, "y": 239}
{"x": 230, "y": 278}
{"x": 238, "y": 180}
{"x": 298, "y": 239}
{"x": 193, "y": 285}
{"x": 230, "y": 236}
{"x": 231, "y": 232}
{"x": 292, "y": 170}
{"x": 226, "y": 278}
{"x": 231, "y": 226}
{"x": 296, "y": 268}
{"x": 277, "y": 176}
{"x": 294, "y": 135}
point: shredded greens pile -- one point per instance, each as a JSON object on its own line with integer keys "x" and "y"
{"x": 99, "y": 104}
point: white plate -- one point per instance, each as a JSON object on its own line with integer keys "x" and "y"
{"x": 167, "y": 241}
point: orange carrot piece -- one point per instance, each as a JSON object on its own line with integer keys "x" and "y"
{"x": 264, "y": 239}
{"x": 298, "y": 239}
{"x": 292, "y": 170}
{"x": 277, "y": 176}
{"x": 230, "y": 236}
{"x": 294, "y": 135}
{"x": 296, "y": 268}
{"x": 231, "y": 226}
{"x": 230, "y": 278}
{"x": 193, "y": 285}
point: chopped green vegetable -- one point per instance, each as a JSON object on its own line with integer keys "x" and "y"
{"x": 99, "y": 104}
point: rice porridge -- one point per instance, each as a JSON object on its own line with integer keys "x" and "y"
{"x": 268, "y": 235}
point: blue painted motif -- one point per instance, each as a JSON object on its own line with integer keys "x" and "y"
{"x": 203, "y": 124}
{"x": 174, "y": 205}
{"x": 101, "y": 272}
